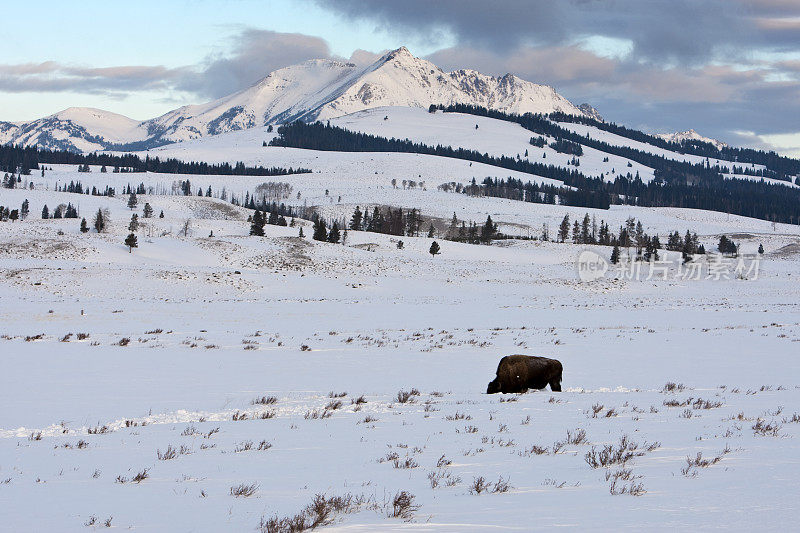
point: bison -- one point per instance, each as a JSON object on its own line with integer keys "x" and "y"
{"x": 518, "y": 373}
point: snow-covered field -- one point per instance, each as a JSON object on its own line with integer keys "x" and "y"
{"x": 113, "y": 361}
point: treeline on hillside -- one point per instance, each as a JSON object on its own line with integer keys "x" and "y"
{"x": 779, "y": 167}
{"x": 676, "y": 183}
{"x": 784, "y": 167}
{"x": 318, "y": 136}
{"x": 539, "y": 193}
{"x": 22, "y": 160}
{"x": 543, "y": 126}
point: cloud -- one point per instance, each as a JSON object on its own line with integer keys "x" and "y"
{"x": 677, "y": 31}
{"x": 255, "y": 53}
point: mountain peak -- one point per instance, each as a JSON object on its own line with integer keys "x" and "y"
{"x": 401, "y": 53}
{"x": 313, "y": 90}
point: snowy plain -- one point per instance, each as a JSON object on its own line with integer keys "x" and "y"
{"x": 215, "y": 324}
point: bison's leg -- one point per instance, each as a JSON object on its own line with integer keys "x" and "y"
{"x": 555, "y": 383}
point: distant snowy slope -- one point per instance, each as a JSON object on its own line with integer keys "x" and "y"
{"x": 690, "y": 135}
{"x": 313, "y": 90}
{"x": 77, "y": 128}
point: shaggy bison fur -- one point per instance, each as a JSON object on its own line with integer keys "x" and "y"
{"x": 518, "y": 373}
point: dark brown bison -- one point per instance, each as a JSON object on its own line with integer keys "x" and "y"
{"x": 518, "y": 373}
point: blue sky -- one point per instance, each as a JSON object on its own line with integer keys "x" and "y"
{"x": 728, "y": 68}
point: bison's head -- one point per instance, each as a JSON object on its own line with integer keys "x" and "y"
{"x": 493, "y": 388}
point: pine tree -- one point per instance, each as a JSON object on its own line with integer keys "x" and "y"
{"x": 434, "y": 249}
{"x": 355, "y": 220}
{"x": 132, "y": 201}
{"x": 615, "y": 255}
{"x": 23, "y": 213}
{"x": 162, "y": 214}
{"x": 99, "y": 221}
{"x": 84, "y": 226}
{"x": 13, "y": 215}
{"x": 563, "y": 229}
{"x": 301, "y": 234}
{"x": 488, "y": 230}
{"x": 761, "y": 248}
{"x": 333, "y": 235}
{"x": 147, "y": 212}
{"x": 320, "y": 231}
{"x": 257, "y": 227}
{"x": 134, "y": 224}
{"x": 45, "y": 212}
{"x": 431, "y": 231}
{"x": 131, "y": 242}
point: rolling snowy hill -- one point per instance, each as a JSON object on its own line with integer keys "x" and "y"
{"x": 313, "y": 90}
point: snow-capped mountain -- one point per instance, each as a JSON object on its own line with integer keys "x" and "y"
{"x": 690, "y": 135}
{"x": 590, "y": 111}
{"x": 313, "y": 90}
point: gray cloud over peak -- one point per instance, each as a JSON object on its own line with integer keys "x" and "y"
{"x": 255, "y": 54}
{"x": 684, "y": 31}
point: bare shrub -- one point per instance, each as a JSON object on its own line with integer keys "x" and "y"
{"x": 632, "y": 488}
{"x": 407, "y": 396}
{"x": 141, "y": 476}
{"x": 672, "y": 387}
{"x": 266, "y": 415}
{"x": 705, "y": 404}
{"x": 406, "y": 463}
{"x": 500, "y": 486}
{"x": 36, "y": 435}
{"x": 237, "y": 416}
{"x": 320, "y": 512}
{"x": 244, "y": 490}
{"x": 619, "y": 454}
{"x": 264, "y": 400}
{"x": 169, "y": 453}
{"x": 98, "y": 430}
{"x": 337, "y": 394}
{"x": 577, "y": 438}
{"x": 333, "y": 405}
{"x": 123, "y": 341}
{"x": 533, "y": 450}
{"x": 596, "y": 408}
{"x": 767, "y": 429}
{"x": 479, "y": 485}
{"x": 82, "y": 336}
{"x": 403, "y": 505}
{"x": 244, "y": 446}
{"x": 368, "y": 419}
{"x": 359, "y": 401}
{"x": 701, "y": 462}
